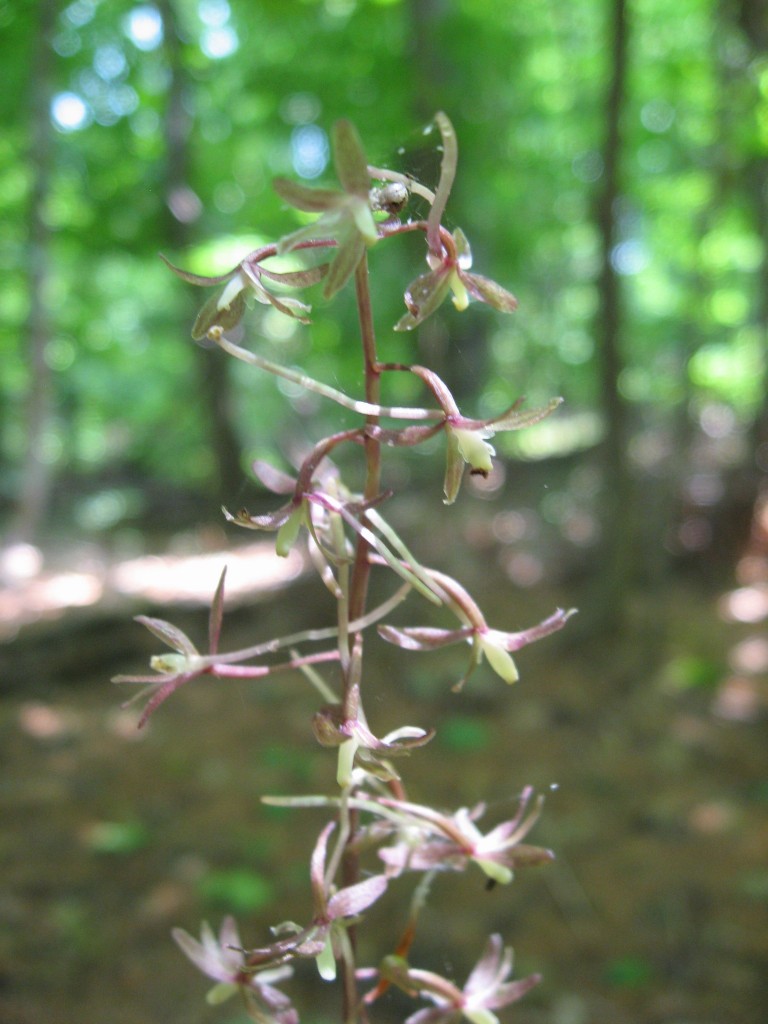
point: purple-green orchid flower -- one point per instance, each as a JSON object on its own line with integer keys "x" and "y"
{"x": 486, "y": 990}
{"x": 351, "y": 734}
{"x": 223, "y": 960}
{"x": 449, "y": 273}
{"x": 225, "y": 309}
{"x": 346, "y": 214}
{"x": 494, "y": 644}
{"x": 184, "y": 663}
{"x": 431, "y": 841}
{"x": 333, "y": 912}
{"x": 467, "y": 439}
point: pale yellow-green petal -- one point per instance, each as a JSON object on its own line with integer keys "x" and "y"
{"x": 500, "y": 661}
{"x": 498, "y": 872}
{"x": 474, "y": 450}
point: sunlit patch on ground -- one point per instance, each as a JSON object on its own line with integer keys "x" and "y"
{"x": 32, "y": 591}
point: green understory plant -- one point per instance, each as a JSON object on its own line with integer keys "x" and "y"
{"x": 374, "y": 833}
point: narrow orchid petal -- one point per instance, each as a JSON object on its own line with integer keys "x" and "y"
{"x": 439, "y": 389}
{"x": 273, "y": 479}
{"x": 514, "y": 641}
{"x": 200, "y": 953}
{"x": 423, "y": 296}
{"x": 217, "y": 614}
{"x": 447, "y": 174}
{"x": 326, "y": 961}
{"x": 169, "y": 634}
{"x": 495, "y": 871}
{"x": 463, "y": 250}
{"x": 197, "y": 279}
{"x": 317, "y": 870}
{"x": 512, "y": 991}
{"x": 500, "y": 660}
{"x": 289, "y": 531}
{"x": 213, "y": 315}
{"x": 488, "y": 291}
{"x": 516, "y": 419}
{"x": 475, "y": 451}
{"x": 454, "y": 468}
{"x": 310, "y": 200}
{"x": 426, "y": 638}
{"x": 349, "y": 159}
{"x": 269, "y": 521}
{"x": 296, "y": 278}
{"x": 356, "y": 898}
{"x": 344, "y": 264}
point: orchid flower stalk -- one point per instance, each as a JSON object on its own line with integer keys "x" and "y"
{"x": 374, "y": 835}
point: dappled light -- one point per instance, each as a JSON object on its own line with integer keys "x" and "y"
{"x": 32, "y": 590}
{"x": 612, "y": 175}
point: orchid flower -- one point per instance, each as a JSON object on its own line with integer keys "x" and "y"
{"x": 429, "y": 840}
{"x": 496, "y": 645}
{"x": 467, "y": 439}
{"x": 184, "y": 663}
{"x": 356, "y": 742}
{"x": 346, "y": 214}
{"x": 486, "y": 990}
{"x": 224, "y": 961}
{"x": 333, "y": 912}
{"x": 225, "y": 309}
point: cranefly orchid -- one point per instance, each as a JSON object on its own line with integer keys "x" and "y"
{"x": 374, "y": 835}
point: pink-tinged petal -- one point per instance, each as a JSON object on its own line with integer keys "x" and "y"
{"x": 512, "y": 991}
{"x": 162, "y": 694}
{"x": 349, "y": 159}
{"x": 488, "y": 291}
{"x": 555, "y": 622}
{"x": 310, "y": 200}
{"x": 488, "y": 969}
{"x": 169, "y": 634}
{"x": 439, "y": 389}
{"x": 273, "y": 479}
{"x": 423, "y": 638}
{"x": 356, "y": 898}
{"x": 406, "y": 437}
{"x": 317, "y": 870}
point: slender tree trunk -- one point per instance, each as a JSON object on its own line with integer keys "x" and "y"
{"x": 619, "y": 534}
{"x": 36, "y": 475}
{"x": 214, "y": 381}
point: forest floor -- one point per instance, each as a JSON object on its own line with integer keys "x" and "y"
{"x": 650, "y": 746}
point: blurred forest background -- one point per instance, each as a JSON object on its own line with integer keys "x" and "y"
{"x": 613, "y": 173}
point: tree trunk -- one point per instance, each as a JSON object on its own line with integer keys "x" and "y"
{"x": 616, "y": 564}
{"x": 36, "y": 473}
{"x": 182, "y": 203}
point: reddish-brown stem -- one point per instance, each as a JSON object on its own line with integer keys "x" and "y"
{"x": 361, "y": 571}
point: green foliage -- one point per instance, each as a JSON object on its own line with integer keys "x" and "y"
{"x": 241, "y": 93}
